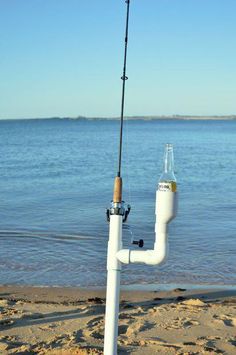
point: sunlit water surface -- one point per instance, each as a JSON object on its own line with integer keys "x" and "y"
{"x": 56, "y": 180}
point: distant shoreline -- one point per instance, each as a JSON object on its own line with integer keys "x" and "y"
{"x": 134, "y": 118}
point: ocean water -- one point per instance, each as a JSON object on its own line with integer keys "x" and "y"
{"x": 56, "y": 180}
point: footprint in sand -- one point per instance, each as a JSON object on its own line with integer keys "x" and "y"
{"x": 12, "y": 346}
{"x": 175, "y": 324}
{"x": 95, "y": 328}
{"x": 232, "y": 341}
{"x": 48, "y": 327}
{"x": 126, "y": 316}
{"x": 180, "y": 323}
{"x": 226, "y": 320}
{"x": 209, "y": 344}
{"x": 77, "y": 336}
{"x": 95, "y": 322}
{"x": 162, "y": 346}
{"x": 138, "y": 327}
{"x": 128, "y": 332}
{"x": 155, "y": 309}
{"x": 209, "y": 340}
{"x": 122, "y": 329}
{"x": 139, "y": 313}
{"x": 97, "y": 335}
{"x": 188, "y": 323}
{"x": 4, "y": 323}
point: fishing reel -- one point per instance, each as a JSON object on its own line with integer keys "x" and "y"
{"x": 121, "y": 209}
{"x": 118, "y": 208}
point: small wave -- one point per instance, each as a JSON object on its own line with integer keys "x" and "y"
{"x": 48, "y": 236}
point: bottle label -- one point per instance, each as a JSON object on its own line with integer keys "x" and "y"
{"x": 167, "y": 186}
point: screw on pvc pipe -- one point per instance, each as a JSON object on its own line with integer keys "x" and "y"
{"x": 139, "y": 242}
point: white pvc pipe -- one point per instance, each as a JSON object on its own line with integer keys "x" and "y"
{"x": 166, "y": 209}
{"x": 113, "y": 286}
{"x": 156, "y": 256}
{"x": 112, "y": 312}
{"x": 166, "y": 206}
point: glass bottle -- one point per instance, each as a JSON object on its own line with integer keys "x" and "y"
{"x": 167, "y": 181}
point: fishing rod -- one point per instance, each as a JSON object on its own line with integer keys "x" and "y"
{"x": 166, "y": 210}
{"x": 123, "y": 78}
{"x": 117, "y": 194}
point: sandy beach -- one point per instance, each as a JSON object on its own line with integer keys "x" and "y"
{"x": 36, "y": 320}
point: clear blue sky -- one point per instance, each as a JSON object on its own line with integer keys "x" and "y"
{"x": 65, "y": 57}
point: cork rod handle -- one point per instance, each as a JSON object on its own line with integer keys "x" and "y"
{"x": 117, "y": 195}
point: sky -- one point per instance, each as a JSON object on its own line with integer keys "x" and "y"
{"x": 65, "y": 58}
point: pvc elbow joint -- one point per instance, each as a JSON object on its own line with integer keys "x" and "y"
{"x": 148, "y": 257}
{"x": 166, "y": 210}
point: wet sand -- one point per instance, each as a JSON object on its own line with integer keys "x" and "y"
{"x": 35, "y": 320}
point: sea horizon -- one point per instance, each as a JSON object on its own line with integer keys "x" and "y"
{"x": 138, "y": 117}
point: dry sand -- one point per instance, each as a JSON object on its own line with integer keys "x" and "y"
{"x": 71, "y": 321}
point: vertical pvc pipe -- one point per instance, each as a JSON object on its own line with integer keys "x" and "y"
{"x": 112, "y": 312}
{"x": 113, "y": 286}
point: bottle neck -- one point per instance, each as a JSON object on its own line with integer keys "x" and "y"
{"x": 168, "y": 168}
{"x": 169, "y": 160}
{"x": 167, "y": 181}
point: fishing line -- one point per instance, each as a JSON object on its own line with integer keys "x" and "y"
{"x": 128, "y": 160}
